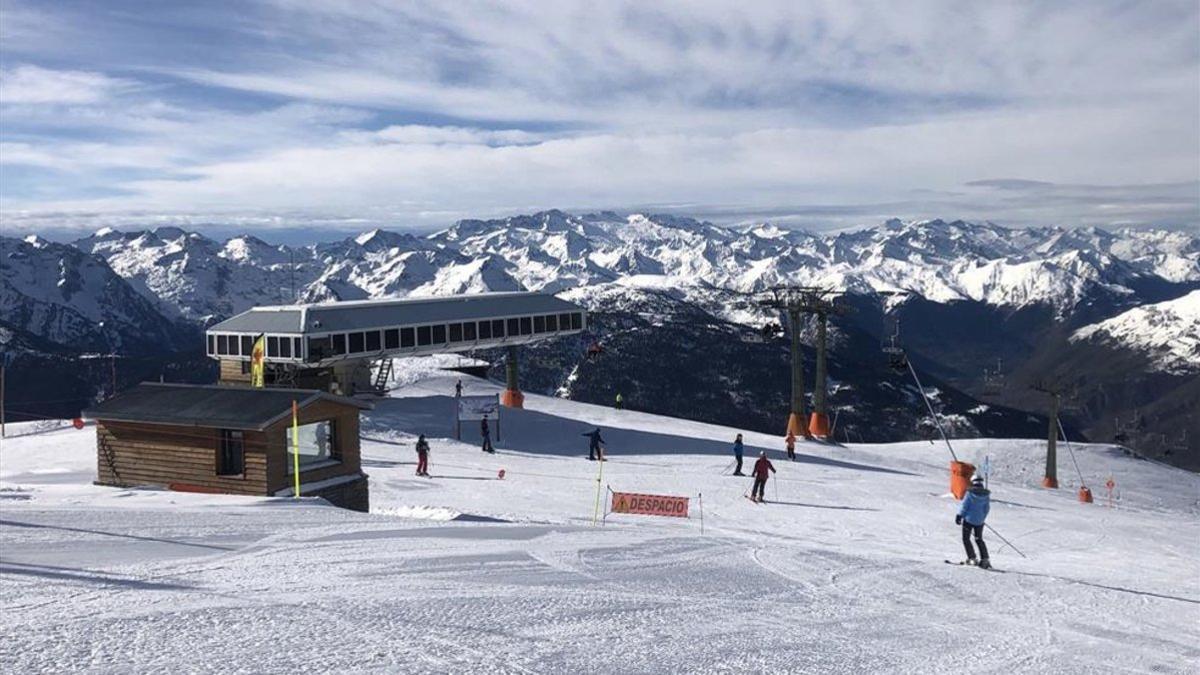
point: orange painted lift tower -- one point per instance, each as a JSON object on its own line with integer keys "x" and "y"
{"x": 795, "y": 301}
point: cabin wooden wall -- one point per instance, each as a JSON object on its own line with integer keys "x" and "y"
{"x": 131, "y": 454}
{"x": 231, "y": 371}
{"x": 347, "y": 441}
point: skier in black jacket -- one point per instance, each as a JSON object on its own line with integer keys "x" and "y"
{"x": 487, "y": 436}
{"x": 595, "y": 444}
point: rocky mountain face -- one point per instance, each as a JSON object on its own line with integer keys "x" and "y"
{"x": 1100, "y": 312}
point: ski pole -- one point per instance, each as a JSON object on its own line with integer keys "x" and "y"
{"x": 776, "y": 484}
{"x": 1007, "y": 541}
{"x": 728, "y": 467}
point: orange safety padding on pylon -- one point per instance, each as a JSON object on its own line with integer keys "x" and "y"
{"x": 512, "y": 398}
{"x": 1049, "y": 482}
{"x": 1085, "y": 495}
{"x": 797, "y": 427}
{"x": 818, "y": 425}
{"x": 960, "y": 478}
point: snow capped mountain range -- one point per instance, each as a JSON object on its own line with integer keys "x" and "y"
{"x": 203, "y": 280}
{"x": 1168, "y": 331}
{"x": 1039, "y": 298}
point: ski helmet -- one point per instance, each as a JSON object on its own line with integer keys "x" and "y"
{"x": 976, "y": 480}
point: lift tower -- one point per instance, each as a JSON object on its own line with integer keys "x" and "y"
{"x": 795, "y": 301}
{"x": 1055, "y": 393}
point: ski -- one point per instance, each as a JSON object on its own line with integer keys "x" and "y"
{"x": 964, "y": 563}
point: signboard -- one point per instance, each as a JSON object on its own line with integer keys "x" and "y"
{"x": 650, "y": 505}
{"x": 475, "y": 407}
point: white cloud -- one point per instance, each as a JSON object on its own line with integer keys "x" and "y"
{"x": 420, "y": 111}
{"x": 31, "y": 85}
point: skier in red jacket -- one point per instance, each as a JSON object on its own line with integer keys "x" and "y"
{"x": 760, "y": 473}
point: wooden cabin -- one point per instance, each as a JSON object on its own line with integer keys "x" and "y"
{"x": 231, "y": 440}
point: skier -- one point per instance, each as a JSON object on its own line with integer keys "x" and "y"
{"x": 594, "y": 445}
{"x": 972, "y": 513}
{"x": 760, "y": 473}
{"x": 737, "y": 454}
{"x": 487, "y": 436}
{"x": 458, "y": 389}
{"x": 422, "y": 456}
{"x": 620, "y": 401}
{"x": 791, "y": 446}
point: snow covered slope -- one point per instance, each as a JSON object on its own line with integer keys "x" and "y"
{"x": 1168, "y": 332}
{"x": 464, "y": 572}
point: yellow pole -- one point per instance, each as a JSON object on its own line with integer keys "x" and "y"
{"x": 599, "y": 478}
{"x": 296, "y": 450}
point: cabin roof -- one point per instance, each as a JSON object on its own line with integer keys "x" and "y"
{"x": 364, "y": 314}
{"x": 224, "y": 407}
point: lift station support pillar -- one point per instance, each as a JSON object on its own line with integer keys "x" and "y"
{"x": 1051, "y": 479}
{"x": 818, "y": 424}
{"x": 797, "y": 424}
{"x": 512, "y": 396}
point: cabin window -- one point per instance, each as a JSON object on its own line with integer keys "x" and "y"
{"x": 339, "y": 343}
{"x": 469, "y": 331}
{"x": 320, "y": 348}
{"x": 514, "y": 327}
{"x": 223, "y": 345}
{"x": 247, "y": 345}
{"x": 407, "y": 338}
{"x": 526, "y": 325}
{"x": 272, "y": 346}
{"x": 297, "y": 347}
{"x": 485, "y": 330}
{"x": 539, "y": 324}
{"x": 552, "y": 323}
{"x": 212, "y": 344}
{"x": 357, "y": 343}
{"x": 456, "y": 332}
{"x": 391, "y": 338}
{"x": 498, "y": 328}
{"x": 285, "y": 348}
{"x": 564, "y": 321}
{"x": 576, "y": 321}
{"x": 439, "y": 335}
{"x": 231, "y": 456}
{"x": 424, "y": 335}
{"x": 316, "y": 442}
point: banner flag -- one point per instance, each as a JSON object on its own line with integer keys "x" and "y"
{"x": 296, "y": 449}
{"x": 650, "y": 505}
{"x": 257, "y": 362}
{"x": 475, "y": 407}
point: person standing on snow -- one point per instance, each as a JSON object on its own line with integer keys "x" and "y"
{"x": 458, "y": 389}
{"x": 487, "y": 436}
{"x": 737, "y": 455}
{"x": 762, "y": 469}
{"x": 972, "y": 513}
{"x": 594, "y": 444}
{"x": 791, "y": 446}
{"x": 422, "y": 456}
{"x": 620, "y": 401}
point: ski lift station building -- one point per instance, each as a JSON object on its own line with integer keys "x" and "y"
{"x": 331, "y": 346}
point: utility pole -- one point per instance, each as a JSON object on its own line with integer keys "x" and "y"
{"x": 292, "y": 271}
{"x": 3, "y": 365}
{"x": 1051, "y": 478}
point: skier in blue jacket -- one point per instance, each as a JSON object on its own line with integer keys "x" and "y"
{"x": 972, "y": 513}
{"x": 738, "y": 448}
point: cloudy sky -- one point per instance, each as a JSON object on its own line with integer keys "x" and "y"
{"x": 304, "y": 115}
